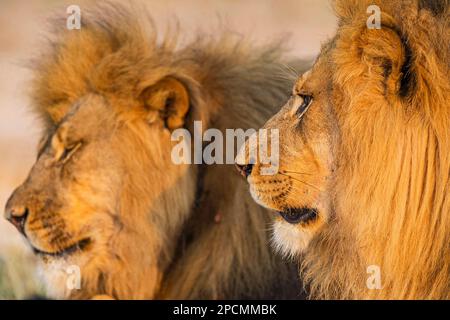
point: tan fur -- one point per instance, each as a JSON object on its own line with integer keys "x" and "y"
{"x": 104, "y": 172}
{"x": 371, "y": 155}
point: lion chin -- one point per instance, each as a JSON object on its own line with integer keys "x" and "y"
{"x": 59, "y": 276}
{"x": 289, "y": 240}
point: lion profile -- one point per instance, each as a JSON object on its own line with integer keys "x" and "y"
{"x": 104, "y": 195}
{"x": 363, "y": 186}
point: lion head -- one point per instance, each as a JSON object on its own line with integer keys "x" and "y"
{"x": 104, "y": 199}
{"x": 364, "y": 143}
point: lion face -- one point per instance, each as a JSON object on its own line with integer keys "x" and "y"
{"x": 86, "y": 201}
{"x": 341, "y": 112}
{"x": 363, "y": 175}
{"x": 64, "y": 193}
{"x": 298, "y": 192}
{"x": 362, "y": 178}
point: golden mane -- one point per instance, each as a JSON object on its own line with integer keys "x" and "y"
{"x": 220, "y": 248}
{"x": 392, "y": 185}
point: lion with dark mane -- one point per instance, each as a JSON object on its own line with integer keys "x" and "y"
{"x": 362, "y": 191}
{"x": 104, "y": 194}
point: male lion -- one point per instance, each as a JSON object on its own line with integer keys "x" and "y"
{"x": 363, "y": 184}
{"x": 104, "y": 198}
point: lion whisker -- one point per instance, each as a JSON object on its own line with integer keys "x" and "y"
{"x": 291, "y": 71}
{"x": 301, "y": 181}
{"x": 297, "y": 172}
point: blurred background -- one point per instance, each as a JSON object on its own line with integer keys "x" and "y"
{"x": 305, "y": 24}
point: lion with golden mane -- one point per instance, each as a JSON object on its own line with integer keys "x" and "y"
{"x": 104, "y": 197}
{"x": 362, "y": 191}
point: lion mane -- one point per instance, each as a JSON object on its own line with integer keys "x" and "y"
{"x": 219, "y": 248}
{"x": 392, "y": 186}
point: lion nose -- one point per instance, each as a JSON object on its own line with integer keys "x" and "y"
{"x": 244, "y": 169}
{"x": 17, "y": 215}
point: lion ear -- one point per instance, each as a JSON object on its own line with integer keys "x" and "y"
{"x": 389, "y": 56}
{"x": 170, "y": 98}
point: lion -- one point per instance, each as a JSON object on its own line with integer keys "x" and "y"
{"x": 104, "y": 200}
{"x": 362, "y": 191}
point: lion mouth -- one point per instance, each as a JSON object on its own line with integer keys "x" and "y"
{"x": 78, "y": 246}
{"x": 298, "y": 215}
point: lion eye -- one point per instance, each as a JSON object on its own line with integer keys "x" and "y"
{"x": 306, "y": 102}
{"x": 69, "y": 151}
